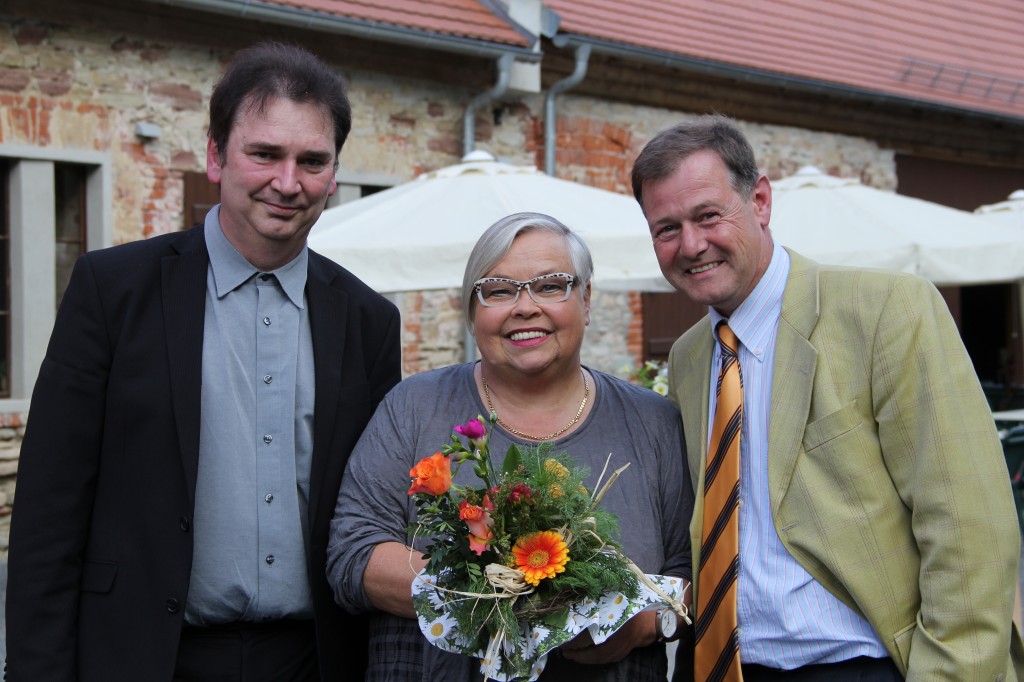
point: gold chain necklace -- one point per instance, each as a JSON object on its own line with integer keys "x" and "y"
{"x": 559, "y": 432}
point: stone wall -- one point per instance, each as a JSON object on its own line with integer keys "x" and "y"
{"x": 12, "y": 429}
{"x": 71, "y": 82}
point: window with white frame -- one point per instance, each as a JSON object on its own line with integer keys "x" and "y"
{"x": 54, "y": 205}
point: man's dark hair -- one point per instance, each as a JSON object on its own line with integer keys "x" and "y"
{"x": 258, "y": 74}
{"x": 669, "y": 148}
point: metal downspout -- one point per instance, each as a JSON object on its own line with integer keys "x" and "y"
{"x": 550, "y": 117}
{"x": 500, "y": 86}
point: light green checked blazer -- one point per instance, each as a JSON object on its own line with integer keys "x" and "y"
{"x": 886, "y": 477}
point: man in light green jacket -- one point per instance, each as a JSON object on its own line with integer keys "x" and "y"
{"x": 877, "y": 533}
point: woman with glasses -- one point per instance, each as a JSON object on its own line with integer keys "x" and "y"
{"x": 526, "y": 296}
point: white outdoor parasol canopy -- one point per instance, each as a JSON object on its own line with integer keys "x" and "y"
{"x": 1009, "y": 212}
{"x": 418, "y": 235}
{"x": 842, "y": 222}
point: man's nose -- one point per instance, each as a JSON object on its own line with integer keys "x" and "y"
{"x": 692, "y": 242}
{"x": 286, "y": 179}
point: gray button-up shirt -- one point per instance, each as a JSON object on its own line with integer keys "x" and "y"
{"x": 255, "y": 443}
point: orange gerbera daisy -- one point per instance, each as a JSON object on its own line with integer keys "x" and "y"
{"x": 540, "y": 555}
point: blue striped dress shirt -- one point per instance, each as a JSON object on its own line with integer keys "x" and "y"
{"x": 786, "y": 618}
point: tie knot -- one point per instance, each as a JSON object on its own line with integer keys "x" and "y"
{"x": 727, "y": 338}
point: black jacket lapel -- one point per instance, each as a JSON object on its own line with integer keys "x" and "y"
{"x": 327, "y": 312}
{"x": 183, "y": 287}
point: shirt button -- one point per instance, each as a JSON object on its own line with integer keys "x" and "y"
{"x": 172, "y": 605}
{"x": 270, "y": 559}
{"x": 269, "y": 498}
{"x": 267, "y": 439}
{"x": 266, "y": 320}
{"x": 183, "y": 524}
{"x": 267, "y": 379}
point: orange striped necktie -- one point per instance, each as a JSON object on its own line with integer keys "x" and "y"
{"x": 718, "y": 653}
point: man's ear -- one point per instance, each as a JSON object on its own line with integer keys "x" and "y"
{"x": 762, "y": 201}
{"x": 213, "y": 162}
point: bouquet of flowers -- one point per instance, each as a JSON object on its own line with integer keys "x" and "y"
{"x": 524, "y": 561}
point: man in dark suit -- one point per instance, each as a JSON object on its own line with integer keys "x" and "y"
{"x": 193, "y": 415}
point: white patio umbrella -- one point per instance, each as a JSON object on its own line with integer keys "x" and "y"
{"x": 842, "y": 222}
{"x": 418, "y": 235}
{"x": 1009, "y": 212}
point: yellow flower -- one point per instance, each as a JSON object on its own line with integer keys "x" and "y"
{"x": 556, "y": 469}
{"x": 540, "y": 555}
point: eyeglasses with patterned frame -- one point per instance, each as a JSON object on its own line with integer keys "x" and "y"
{"x": 496, "y": 292}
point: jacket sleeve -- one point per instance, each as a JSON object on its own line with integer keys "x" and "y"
{"x": 386, "y": 370}
{"x": 942, "y": 451}
{"x": 56, "y": 486}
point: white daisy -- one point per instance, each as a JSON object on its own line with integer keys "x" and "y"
{"x": 440, "y": 631}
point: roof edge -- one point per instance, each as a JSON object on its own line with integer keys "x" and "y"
{"x": 277, "y": 14}
{"x": 769, "y": 78}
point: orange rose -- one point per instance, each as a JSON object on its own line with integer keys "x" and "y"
{"x": 475, "y": 517}
{"x": 433, "y": 475}
{"x": 478, "y": 544}
{"x": 479, "y": 522}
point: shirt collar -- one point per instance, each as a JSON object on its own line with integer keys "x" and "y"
{"x": 231, "y": 269}
{"x": 762, "y": 307}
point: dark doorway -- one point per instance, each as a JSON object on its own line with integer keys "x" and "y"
{"x": 989, "y": 316}
{"x": 200, "y": 196}
{"x": 666, "y": 317}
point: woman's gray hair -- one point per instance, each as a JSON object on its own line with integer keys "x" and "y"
{"x": 495, "y": 242}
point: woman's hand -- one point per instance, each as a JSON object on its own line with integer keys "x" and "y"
{"x": 638, "y": 631}
{"x": 387, "y": 579}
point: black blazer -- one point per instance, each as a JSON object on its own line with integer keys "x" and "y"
{"x": 101, "y": 541}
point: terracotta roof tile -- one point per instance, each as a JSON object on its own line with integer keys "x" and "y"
{"x": 966, "y": 53}
{"x": 462, "y": 18}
